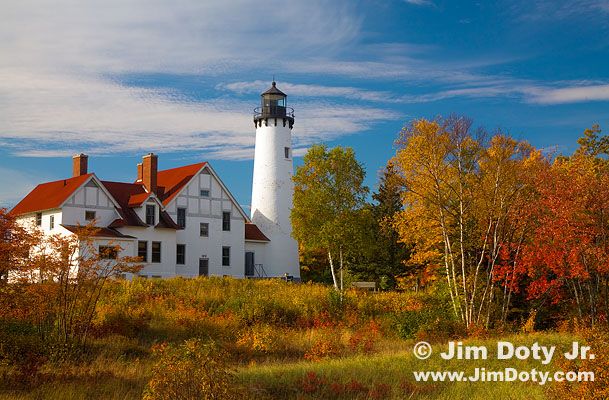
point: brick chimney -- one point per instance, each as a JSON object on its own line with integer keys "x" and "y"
{"x": 79, "y": 164}
{"x": 140, "y": 171}
{"x": 149, "y": 171}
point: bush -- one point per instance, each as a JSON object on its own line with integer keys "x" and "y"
{"x": 434, "y": 320}
{"x": 192, "y": 370}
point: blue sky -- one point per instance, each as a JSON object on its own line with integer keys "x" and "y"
{"x": 119, "y": 78}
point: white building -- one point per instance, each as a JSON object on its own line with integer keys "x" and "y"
{"x": 184, "y": 221}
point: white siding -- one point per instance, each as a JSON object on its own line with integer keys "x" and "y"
{"x": 209, "y": 210}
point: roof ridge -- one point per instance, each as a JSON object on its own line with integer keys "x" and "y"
{"x": 183, "y": 166}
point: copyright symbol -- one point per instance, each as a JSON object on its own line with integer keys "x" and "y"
{"x": 422, "y": 350}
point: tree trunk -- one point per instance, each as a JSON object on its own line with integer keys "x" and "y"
{"x": 332, "y": 270}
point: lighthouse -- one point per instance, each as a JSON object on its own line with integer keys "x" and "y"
{"x": 273, "y": 188}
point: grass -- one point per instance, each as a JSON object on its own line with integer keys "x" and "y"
{"x": 112, "y": 378}
{"x": 271, "y": 331}
{"x": 276, "y": 380}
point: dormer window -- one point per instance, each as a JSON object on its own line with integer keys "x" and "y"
{"x": 150, "y": 214}
{"x": 204, "y": 193}
{"x": 182, "y": 218}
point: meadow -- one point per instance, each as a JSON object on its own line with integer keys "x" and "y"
{"x": 277, "y": 340}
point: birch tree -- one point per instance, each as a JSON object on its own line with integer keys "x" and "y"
{"x": 462, "y": 195}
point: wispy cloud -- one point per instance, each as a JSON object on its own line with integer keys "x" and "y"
{"x": 570, "y": 94}
{"x": 303, "y": 90}
{"x": 420, "y": 2}
{"x": 58, "y": 115}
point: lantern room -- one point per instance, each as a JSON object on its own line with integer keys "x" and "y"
{"x": 273, "y": 104}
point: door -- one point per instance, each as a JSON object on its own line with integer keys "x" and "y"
{"x": 203, "y": 266}
{"x": 249, "y": 263}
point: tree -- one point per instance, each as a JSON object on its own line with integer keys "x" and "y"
{"x": 383, "y": 255}
{"x": 328, "y": 193}
{"x": 461, "y": 202}
{"x": 567, "y": 262}
{"x": 15, "y": 242}
{"x": 57, "y": 285}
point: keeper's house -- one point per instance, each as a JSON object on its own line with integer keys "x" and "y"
{"x": 180, "y": 221}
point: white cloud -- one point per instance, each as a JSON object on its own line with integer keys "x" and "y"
{"x": 54, "y": 115}
{"x": 303, "y": 90}
{"x": 58, "y": 95}
{"x": 209, "y": 36}
{"x": 570, "y": 94}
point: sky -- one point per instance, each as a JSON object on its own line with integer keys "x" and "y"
{"x": 117, "y": 79}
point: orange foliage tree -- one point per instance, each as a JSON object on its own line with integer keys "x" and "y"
{"x": 463, "y": 199}
{"x": 54, "y": 282}
{"x": 567, "y": 258}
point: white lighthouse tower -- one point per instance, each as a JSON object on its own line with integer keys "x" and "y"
{"x": 273, "y": 187}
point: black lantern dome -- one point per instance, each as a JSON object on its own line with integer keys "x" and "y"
{"x": 273, "y": 105}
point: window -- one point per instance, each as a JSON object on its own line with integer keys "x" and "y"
{"x": 204, "y": 193}
{"x": 204, "y": 229}
{"x": 156, "y": 252}
{"x": 150, "y": 217}
{"x": 38, "y": 219}
{"x": 225, "y": 256}
{"x": 89, "y": 215}
{"x": 226, "y": 221}
{"x": 52, "y": 222}
{"x": 182, "y": 218}
{"x": 181, "y": 254}
{"x": 286, "y": 151}
{"x": 108, "y": 252}
{"x": 142, "y": 250}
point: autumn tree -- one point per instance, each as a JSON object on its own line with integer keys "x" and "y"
{"x": 57, "y": 286}
{"x": 567, "y": 262}
{"x": 328, "y": 193}
{"x": 15, "y": 242}
{"x": 461, "y": 202}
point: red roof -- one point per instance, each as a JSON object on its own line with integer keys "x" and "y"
{"x": 171, "y": 181}
{"x": 123, "y": 193}
{"x": 49, "y": 195}
{"x": 252, "y": 232}
{"x": 128, "y": 195}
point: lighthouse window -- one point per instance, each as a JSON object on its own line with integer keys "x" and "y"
{"x": 286, "y": 150}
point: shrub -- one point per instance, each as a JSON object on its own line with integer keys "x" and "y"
{"x": 434, "y": 321}
{"x": 322, "y": 348}
{"x": 192, "y": 370}
{"x": 596, "y": 390}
